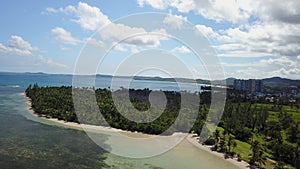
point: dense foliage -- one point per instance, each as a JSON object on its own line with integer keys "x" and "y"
{"x": 271, "y": 129}
{"x": 56, "y": 102}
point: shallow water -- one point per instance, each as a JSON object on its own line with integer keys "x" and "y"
{"x": 28, "y": 144}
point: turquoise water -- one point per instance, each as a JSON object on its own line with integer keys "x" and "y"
{"x": 24, "y": 79}
{"x": 30, "y": 142}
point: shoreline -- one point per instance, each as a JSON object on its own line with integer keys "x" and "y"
{"x": 194, "y": 141}
{"x": 190, "y": 137}
{"x": 72, "y": 125}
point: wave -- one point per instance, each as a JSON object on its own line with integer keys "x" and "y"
{"x": 10, "y": 86}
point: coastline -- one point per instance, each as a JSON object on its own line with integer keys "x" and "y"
{"x": 190, "y": 138}
{"x": 72, "y": 125}
{"x": 234, "y": 161}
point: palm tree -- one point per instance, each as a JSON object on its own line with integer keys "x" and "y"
{"x": 257, "y": 154}
{"x": 217, "y": 139}
{"x": 223, "y": 144}
{"x": 230, "y": 143}
{"x": 261, "y": 160}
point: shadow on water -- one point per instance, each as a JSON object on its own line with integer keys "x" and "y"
{"x": 28, "y": 144}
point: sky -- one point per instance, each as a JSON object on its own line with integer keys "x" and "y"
{"x": 249, "y": 38}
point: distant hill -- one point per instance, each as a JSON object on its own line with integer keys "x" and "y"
{"x": 278, "y": 81}
{"x": 272, "y": 82}
{"x": 229, "y": 81}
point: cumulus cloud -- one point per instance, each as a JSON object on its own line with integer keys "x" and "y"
{"x": 134, "y": 41}
{"x": 263, "y": 28}
{"x": 218, "y": 10}
{"x": 280, "y": 66}
{"x": 290, "y": 72}
{"x": 232, "y": 10}
{"x": 175, "y": 20}
{"x": 181, "y": 50}
{"x": 281, "y": 11}
{"x": 19, "y": 43}
{"x": 158, "y": 4}
{"x": 63, "y": 36}
{"x": 95, "y": 42}
{"x": 91, "y": 18}
{"x": 18, "y": 46}
{"x": 67, "y": 10}
{"x": 88, "y": 17}
{"x": 256, "y": 40}
{"x": 145, "y": 38}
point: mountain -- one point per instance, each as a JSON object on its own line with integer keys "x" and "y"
{"x": 229, "y": 81}
{"x": 280, "y": 82}
{"x": 272, "y": 82}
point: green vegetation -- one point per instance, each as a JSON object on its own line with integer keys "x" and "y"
{"x": 266, "y": 132}
{"x": 263, "y": 134}
{"x": 57, "y": 102}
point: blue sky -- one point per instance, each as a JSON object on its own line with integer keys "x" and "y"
{"x": 252, "y": 39}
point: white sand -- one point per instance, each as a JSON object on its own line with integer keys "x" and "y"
{"x": 234, "y": 161}
{"x": 82, "y": 126}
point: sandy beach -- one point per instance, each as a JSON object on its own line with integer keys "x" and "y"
{"x": 69, "y": 124}
{"x": 190, "y": 138}
{"x": 194, "y": 141}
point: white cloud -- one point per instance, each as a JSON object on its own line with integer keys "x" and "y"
{"x": 96, "y": 42}
{"x": 63, "y": 36}
{"x": 232, "y": 10}
{"x": 19, "y": 43}
{"x": 218, "y": 10}
{"x": 183, "y": 6}
{"x": 67, "y": 10}
{"x": 290, "y": 72}
{"x": 280, "y": 11}
{"x": 158, "y": 4}
{"x": 275, "y": 39}
{"x": 91, "y": 18}
{"x": 181, "y": 49}
{"x": 88, "y": 17}
{"x": 50, "y": 10}
{"x": 120, "y": 33}
{"x": 63, "y": 48}
{"x": 18, "y": 46}
{"x": 275, "y": 32}
{"x": 148, "y": 39}
{"x": 49, "y": 61}
{"x": 231, "y": 47}
{"x": 281, "y": 66}
{"x": 207, "y": 31}
{"x": 212, "y": 34}
{"x": 256, "y": 40}
{"x": 175, "y": 20}
{"x": 12, "y": 50}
